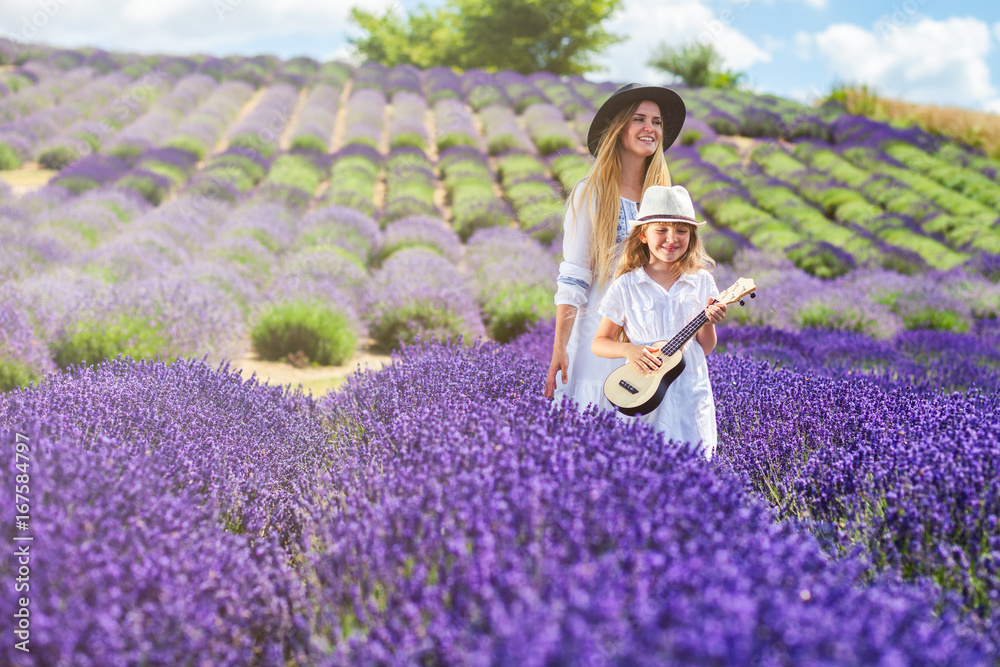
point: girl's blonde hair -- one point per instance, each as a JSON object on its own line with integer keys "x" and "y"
{"x": 602, "y": 188}
{"x": 636, "y": 252}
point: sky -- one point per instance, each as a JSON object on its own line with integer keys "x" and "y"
{"x": 944, "y": 52}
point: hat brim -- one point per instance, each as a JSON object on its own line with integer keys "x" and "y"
{"x": 664, "y": 218}
{"x": 671, "y": 105}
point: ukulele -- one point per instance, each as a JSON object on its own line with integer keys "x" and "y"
{"x": 634, "y": 392}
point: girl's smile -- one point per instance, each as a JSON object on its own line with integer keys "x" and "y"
{"x": 667, "y": 241}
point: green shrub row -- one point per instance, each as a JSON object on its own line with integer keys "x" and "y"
{"x": 970, "y": 183}
{"x": 537, "y": 200}
{"x": 352, "y": 180}
{"x": 409, "y": 186}
{"x": 293, "y": 179}
{"x": 470, "y": 187}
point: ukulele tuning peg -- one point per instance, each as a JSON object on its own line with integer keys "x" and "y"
{"x": 753, "y": 295}
{"x": 742, "y": 302}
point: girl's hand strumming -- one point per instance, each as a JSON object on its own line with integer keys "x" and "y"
{"x": 644, "y": 357}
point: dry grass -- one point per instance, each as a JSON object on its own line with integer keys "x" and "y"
{"x": 975, "y": 128}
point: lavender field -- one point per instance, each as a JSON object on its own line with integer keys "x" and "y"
{"x": 439, "y": 511}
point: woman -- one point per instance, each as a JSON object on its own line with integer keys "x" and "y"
{"x": 627, "y": 138}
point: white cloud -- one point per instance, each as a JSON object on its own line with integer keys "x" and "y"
{"x": 646, "y": 25}
{"x": 925, "y": 60}
{"x": 175, "y": 26}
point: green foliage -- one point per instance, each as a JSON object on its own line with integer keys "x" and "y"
{"x": 569, "y": 169}
{"x": 14, "y": 375}
{"x": 57, "y": 157}
{"x": 309, "y": 142}
{"x": 558, "y": 36}
{"x": 146, "y": 186}
{"x": 95, "y": 341}
{"x": 822, "y": 316}
{"x": 402, "y": 326}
{"x": 696, "y": 64}
{"x": 190, "y": 144}
{"x": 306, "y": 331}
{"x": 295, "y": 171}
{"x": 9, "y": 159}
{"x": 510, "y": 312}
{"x": 819, "y": 261}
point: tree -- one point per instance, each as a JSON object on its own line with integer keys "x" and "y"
{"x": 696, "y": 64}
{"x": 558, "y": 36}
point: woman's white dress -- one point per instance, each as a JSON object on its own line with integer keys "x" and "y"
{"x": 577, "y": 286}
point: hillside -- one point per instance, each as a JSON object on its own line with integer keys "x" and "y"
{"x": 239, "y": 182}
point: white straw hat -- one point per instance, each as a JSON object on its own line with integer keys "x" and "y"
{"x": 663, "y": 204}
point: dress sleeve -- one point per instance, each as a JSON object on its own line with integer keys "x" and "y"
{"x": 613, "y": 304}
{"x": 575, "y": 271}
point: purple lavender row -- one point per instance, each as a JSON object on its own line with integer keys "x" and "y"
{"x": 403, "y": 78}
{"x": 199, "y": 132}
{"x": 314, "y": 130}
{"x": 454, "y": 125}
{"x": 52, "y": 87}
{"x": 153, "y": 128}
{"x": 502, "y": 131}
{"x": 440, "y": 82}
{"x": 522, "y": 534}
{"x": 877, "y": 302}
{"x": 364, "y": 118}
{"x": 409, "y": 185}
{"x": 25, "y": 134}
{"x": 90, "y": 135}
{"x": 904, "y": 477}
{"x": 261, "y": 129}
{"x": 408, "y": 124}
{"x": 520, "y": 90}
{"x": 549, "y": 130}
{"x": 512, "y": 276}
{"x": 562, "y": 94}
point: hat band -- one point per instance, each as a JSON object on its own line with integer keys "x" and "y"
{"x": 665, "y": 216}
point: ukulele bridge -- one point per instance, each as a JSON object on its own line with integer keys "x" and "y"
{"x": 627, "y": 387}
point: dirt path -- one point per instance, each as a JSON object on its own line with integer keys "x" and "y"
{"x": 26, "y": 178}
{"x": 317, "y": 379}
{"x": 285, "y": 142}
{"x": 250, "y": 105}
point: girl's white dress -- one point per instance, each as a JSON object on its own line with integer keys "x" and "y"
{"x": 577, "y": 286}
{"x": 650, "y": 314}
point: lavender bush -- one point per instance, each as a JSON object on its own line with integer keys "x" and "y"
{"x": 424, "y": 232}
{"x": 421, "y": 295}
{"x": 513, "y": 276}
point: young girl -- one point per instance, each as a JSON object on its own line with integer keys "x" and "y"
{"x": 661, "y": 284}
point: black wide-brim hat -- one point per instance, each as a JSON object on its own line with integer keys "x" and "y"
{"x": 672, "y": 110}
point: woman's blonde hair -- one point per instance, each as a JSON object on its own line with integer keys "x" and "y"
{"x": 602, "y": 188}
{"x": 636, "y": 252}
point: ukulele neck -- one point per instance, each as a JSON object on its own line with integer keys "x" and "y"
{"x": 690, "y": 329}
